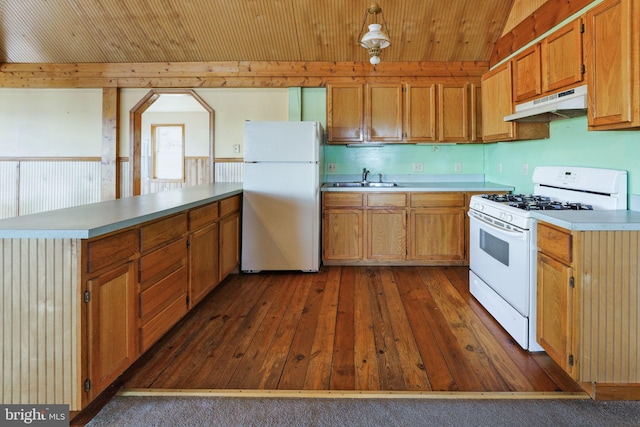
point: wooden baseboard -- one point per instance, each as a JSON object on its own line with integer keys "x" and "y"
{"x": 612, "y": 391}
{"x": 353, "y": 394}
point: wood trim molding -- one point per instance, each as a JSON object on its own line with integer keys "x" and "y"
{"x": 110, "y": 173}
{"x": 229, "y": 160}
{"x": 50, "y": 159}
{"x": 539, "y": 22}
{"x": 228, "y": 74}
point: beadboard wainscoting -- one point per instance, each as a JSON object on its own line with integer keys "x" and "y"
{"x": 36, "y": 185}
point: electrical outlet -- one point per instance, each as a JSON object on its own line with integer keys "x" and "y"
{"x": 332, "y": 167}
{"x": 525, "y": 169}
{"x": 236, "y": 148}
{"x": 418, "y": 167}
{"x": 500, "y": 167}
{"x": 457, "y": 167}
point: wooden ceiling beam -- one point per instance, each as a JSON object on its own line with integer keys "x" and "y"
{"x": 226, "y": 74}
{"x": 539, "y": 22}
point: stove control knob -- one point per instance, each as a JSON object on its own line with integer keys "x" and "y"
{"x": 508, "y": 217}
{"x": 479, "y": 206}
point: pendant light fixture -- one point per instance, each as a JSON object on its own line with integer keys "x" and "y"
{"x": 377, "y": 38}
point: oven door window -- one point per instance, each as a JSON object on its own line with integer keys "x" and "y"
{"x": 496, "y": 248}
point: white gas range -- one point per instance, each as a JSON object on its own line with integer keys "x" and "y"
{"x": 503, "y": 249}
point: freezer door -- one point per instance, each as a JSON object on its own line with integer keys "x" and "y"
{"x": 281, "y": 217}
{"x": 282, "y": 141}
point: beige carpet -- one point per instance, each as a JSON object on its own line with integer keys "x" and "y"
{"x": 245, "y": 409}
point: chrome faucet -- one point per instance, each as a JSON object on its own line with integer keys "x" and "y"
{"x": 365, "y": 173}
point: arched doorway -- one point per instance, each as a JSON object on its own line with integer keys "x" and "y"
{"x": 135, "y": 118}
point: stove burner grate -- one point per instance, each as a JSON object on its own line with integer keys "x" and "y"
{"x": 532, "y": 202}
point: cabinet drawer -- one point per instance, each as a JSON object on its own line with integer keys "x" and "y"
{"x": 203, "y": 216}
{"x": 162, "y": 232}
{"x": 387, "y": 199}
{"x": 432, "y": 200}
{"x": 555, "y": 242}
{"x": 163, "y": 293}
{"x": 111, "y": 250}
{"x": 227, "y": 206}
{"x": 164, "y": 261}
{"x": 332, "y": 200}
{"x": 151, "y": 331}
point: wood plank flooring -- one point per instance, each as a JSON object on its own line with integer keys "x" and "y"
{"x": 345, "y": 328}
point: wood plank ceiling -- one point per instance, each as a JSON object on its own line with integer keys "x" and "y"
{"x": 125, "y": 31}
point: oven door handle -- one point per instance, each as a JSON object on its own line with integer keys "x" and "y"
{"x": 512, "y": 233}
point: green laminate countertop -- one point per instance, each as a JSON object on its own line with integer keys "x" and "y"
{"x": 595, "y": 220}
{"x": 96, "y": 219}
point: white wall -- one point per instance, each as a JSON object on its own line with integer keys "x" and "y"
{"x": 50, "y": 122}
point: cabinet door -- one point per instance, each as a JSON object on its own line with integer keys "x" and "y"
{"x": 453, "y": 112}
{"x": 612, "y": 65}
{"x": 342, "y": 237}
{"x": 496, "y": 92}
{"x": 111, "y": 326}
{"x": 387, "y": 234}
{"x": 562, "y": 57}
{"x": 383, "y": 117}
{"x": 526, "y": 74}
{"x": 229, "y": 256}
{"x": 437, "y": 234}
{"x": 203, "y": 263}
{"x": 554, "y": 310}
{"x": 420, "y": 112}
{"x": 345, "y": 113}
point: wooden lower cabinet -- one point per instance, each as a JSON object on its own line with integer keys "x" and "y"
{"x": 142, "y": 281}
{"x": 555, "y": 302}
{"x": 387, "y": 234}
{"x": 111, "y": 319}
{"x": 394, "y": 228}
{"x": 342, "y": 234}
{"x": 204, "y": 271}
{"x": 587, "y": 298}
{"x": 203, "y": 263}
{"x": 163, "y": 277}
{"x": 229, "y": 246}
{"x": 438, "y": 227}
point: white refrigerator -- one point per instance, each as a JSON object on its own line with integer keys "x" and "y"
{"x": 281, "y": 196}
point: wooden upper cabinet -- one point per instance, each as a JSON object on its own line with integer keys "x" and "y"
{"x": 613, "y": 65}
{"x": 496, "y": 91}
{"x": 345, "y": 113}
{"x": 562, "y": 57}
{"x": 383, "y": 112}
{"x": 420, "y": 112}
{"x": 453, "y": 112}
{"x": 526, "y": 74}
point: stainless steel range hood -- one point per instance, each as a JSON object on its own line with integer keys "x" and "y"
{"x": 562, "y": 105}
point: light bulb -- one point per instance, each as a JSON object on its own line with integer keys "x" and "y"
{"x": 375, "y": 60}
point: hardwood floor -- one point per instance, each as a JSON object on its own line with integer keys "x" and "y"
{"x": 345, "y": 328}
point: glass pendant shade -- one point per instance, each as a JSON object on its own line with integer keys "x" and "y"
{"x": 375, "y": 38}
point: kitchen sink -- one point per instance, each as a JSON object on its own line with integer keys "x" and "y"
{"x": 365, "y": 184}
{"x": 381, "y": 184}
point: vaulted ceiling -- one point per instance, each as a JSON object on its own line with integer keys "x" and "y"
{"x": 123, "y": 31}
